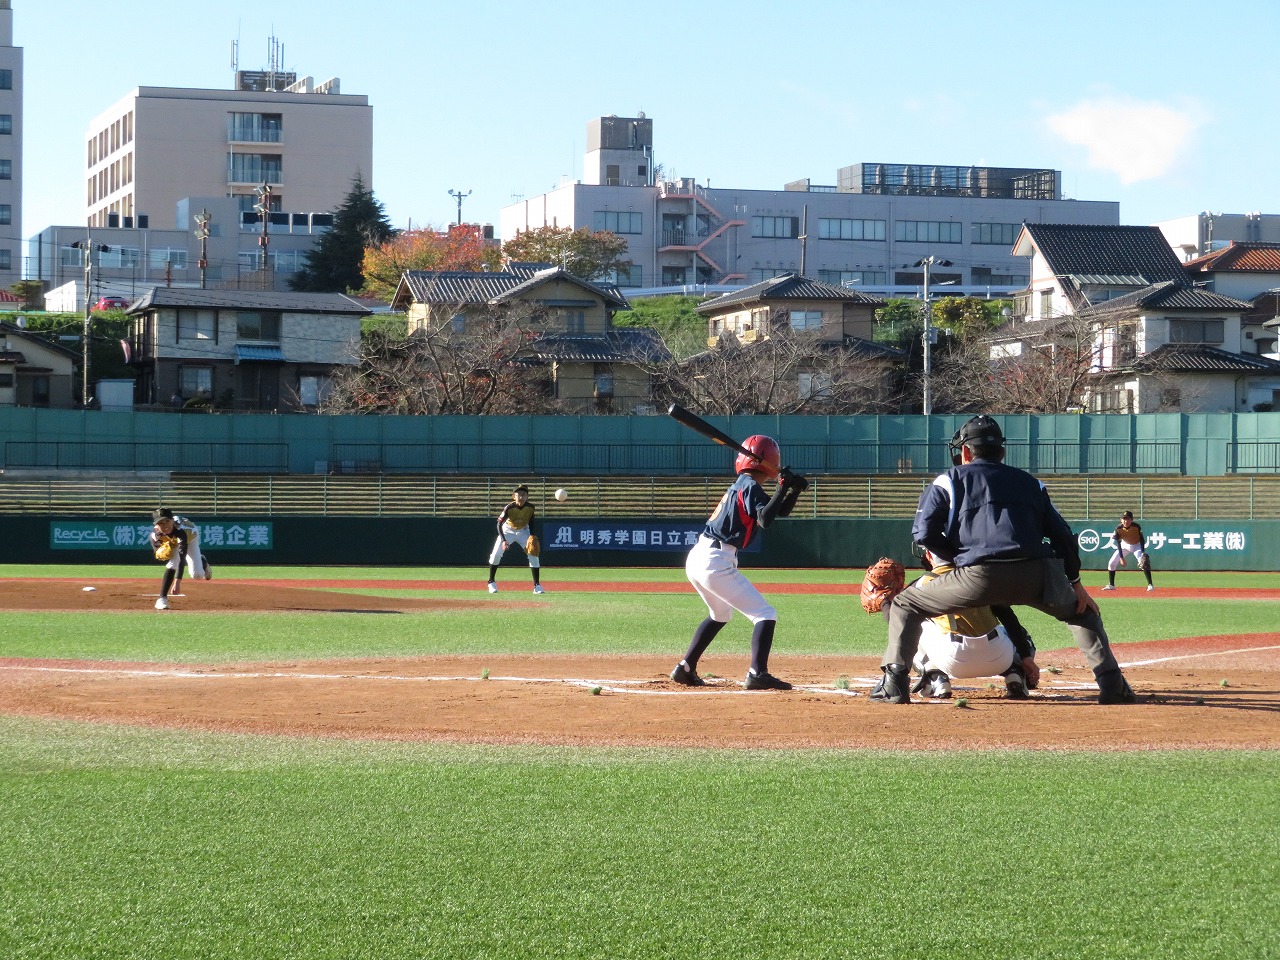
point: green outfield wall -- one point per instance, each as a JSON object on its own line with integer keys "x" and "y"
{"x": 1153, "y": 444}
{"x": 585, "y": 542}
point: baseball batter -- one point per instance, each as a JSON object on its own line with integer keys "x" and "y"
{"x": 712, "y": 563}
{"x": 971, "y": 643}
{"x": 176, "y": 541}
{"x": 1127, "y": 538}
{"x": 515, "y": 525}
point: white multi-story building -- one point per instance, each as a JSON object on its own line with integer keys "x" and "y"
{"x": 871, "y": 229}
{"x": 1207, "y": 232}
{"x": 10, "y": 152}
{"x": 157, "y": 145}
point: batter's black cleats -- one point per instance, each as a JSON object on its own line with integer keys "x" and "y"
{"x": 1113, "y": 688}
{"x": 687, "y": 677}
{"x": 765, "y": 681}
{"x": 892, "y": 687}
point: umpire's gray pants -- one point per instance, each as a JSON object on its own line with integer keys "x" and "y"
{"x": 1025, "y": 583}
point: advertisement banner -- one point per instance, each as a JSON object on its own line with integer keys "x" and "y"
{"x": 111, "y": 535}
{"x": 1183, "y": 545}
{"x": 641, "y": 535}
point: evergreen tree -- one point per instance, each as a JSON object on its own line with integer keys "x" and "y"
{"x": 334, "y": 264}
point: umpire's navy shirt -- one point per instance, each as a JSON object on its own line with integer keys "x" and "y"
{"x": 985, "y": 512}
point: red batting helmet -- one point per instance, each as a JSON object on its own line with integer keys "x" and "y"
{"x": 767, "y": 459}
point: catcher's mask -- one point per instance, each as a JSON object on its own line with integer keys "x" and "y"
{"x": 977, "y": 433}
{"x": 767, "y": 459}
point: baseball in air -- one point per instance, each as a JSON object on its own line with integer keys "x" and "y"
{"x": 562, "y": 494}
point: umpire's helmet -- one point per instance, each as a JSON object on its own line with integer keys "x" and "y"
{"x": 978, "y": 433}
{"x": 767, "y": 459}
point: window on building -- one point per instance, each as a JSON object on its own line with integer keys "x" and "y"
{"x": 1003, "y": 234}
{"x": 632, "y": 276}
{"x": 6, "y": 214}
{"x": 258, "y": 325}
{"x": 6, "y": 259}
{"x": 757, "y": 274}
{"x": 6, "y": 169}
{"x": 6, "y": 79}
{"x": 288, "y": 261}
{"x": 845, "y": 229}
{"x": 255, "y": 127}
{"x": 575, "y": 321}
{"x": 928, "y": 231}
{"x": 673, "y": 276}
{"x": 603, "y": 379}
{"x": 986, "y": 276}
{"x": 806, "y": 319}
{"x": 6, "y": 381}
{"x": 40, "y": 390}
{"x": 172, "y": 258}
{"x": 195, "y": 381}
{"x": 813, "y": 386}
{"x": 198, "y": 325}
{"x": 255, "y": 168}
{"x": 612, "y": 175}
{"x": 6, "y": 124}
{"x": 1195, "y": 331}
{"x": 313, "y": 389}
{"x": 782, "y": 227}
{"x": 619, "y": 221}
{"x": 1046, "y": 304}
{"x": 854, "y": 278}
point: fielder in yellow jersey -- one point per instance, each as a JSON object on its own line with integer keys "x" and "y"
{"x": 515, "y": 525}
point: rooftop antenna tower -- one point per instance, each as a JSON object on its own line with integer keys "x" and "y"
{"x": 275, "y": 60}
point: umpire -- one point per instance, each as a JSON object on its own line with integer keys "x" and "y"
{"x": 991, "y": 522}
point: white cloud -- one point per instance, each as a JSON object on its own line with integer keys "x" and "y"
{"x": 1136, "y": 140}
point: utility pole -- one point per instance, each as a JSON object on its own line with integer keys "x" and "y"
{"x": 202, "y": 234}
{"x": 88, "y": 245}
{"x": 461, "y": 196}
{"x": 263, "y": 206}
{"x": 930, "y": 335}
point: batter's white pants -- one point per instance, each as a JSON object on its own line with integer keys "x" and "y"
{"x": 959, "y": 656}
{"x": 712, "y": 568}
{"x": 519, "y": 538}
{"x": 1115, "y": 563}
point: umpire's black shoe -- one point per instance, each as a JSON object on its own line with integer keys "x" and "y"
{"x": 892, "y": 687}
{"x": 687, "y": 677}
{"x": 1015, "y": 683}
{"x": 1113, "y": 688}
{"x": 765, "y": 681}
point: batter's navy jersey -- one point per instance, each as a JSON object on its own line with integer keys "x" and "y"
{"x": 737, "y": 515}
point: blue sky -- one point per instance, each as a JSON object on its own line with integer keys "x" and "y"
{"x": 1168, "y": 109}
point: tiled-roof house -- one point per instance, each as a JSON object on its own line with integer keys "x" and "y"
{"x": 837, "y": 317}
{"x": 35, "y": 371}
{"x": 1246, "y": 270}
{"x": 1161, "y": 342}
{"x": 593, "y": 365}
{"x": 241, "y": 349}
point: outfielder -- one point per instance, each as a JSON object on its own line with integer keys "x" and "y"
{"x": 176, "y": 541}
{"x": 712, "y": 563}
{"x": 515, "y": 525}
{"x": 1128, "y": 538}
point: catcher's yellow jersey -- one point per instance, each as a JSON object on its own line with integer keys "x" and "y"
{"x": 517, "y": 517}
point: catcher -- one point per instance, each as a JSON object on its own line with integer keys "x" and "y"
{"x": 1128, "y": 538}
{"x": 515, "y": 525}
{"x": 976, "y": 642}
{"x": 176, "y": 542}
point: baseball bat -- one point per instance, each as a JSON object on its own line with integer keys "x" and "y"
{"x": 698, "y": 425}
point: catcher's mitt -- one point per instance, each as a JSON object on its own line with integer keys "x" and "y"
{"x": 532, "y": 546}
{"x": 883, "y": 581}
{"x": 1145, "y": 563}
{"x": 165, "y": 547}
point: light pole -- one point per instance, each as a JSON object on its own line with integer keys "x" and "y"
{"x": 461, "y": 196}
{"x": 88, "y": 245}
{"x": 930, "y": 335}
{"x": 202, "y": 234}
{"x": 263, "y": 206}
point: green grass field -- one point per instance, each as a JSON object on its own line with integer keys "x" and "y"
{"x": 132, "y": 843}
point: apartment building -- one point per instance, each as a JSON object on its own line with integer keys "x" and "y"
{"x": 10, "y": 152}
{"x": 869, "y": 230}
{"x": 302, "y": 140}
